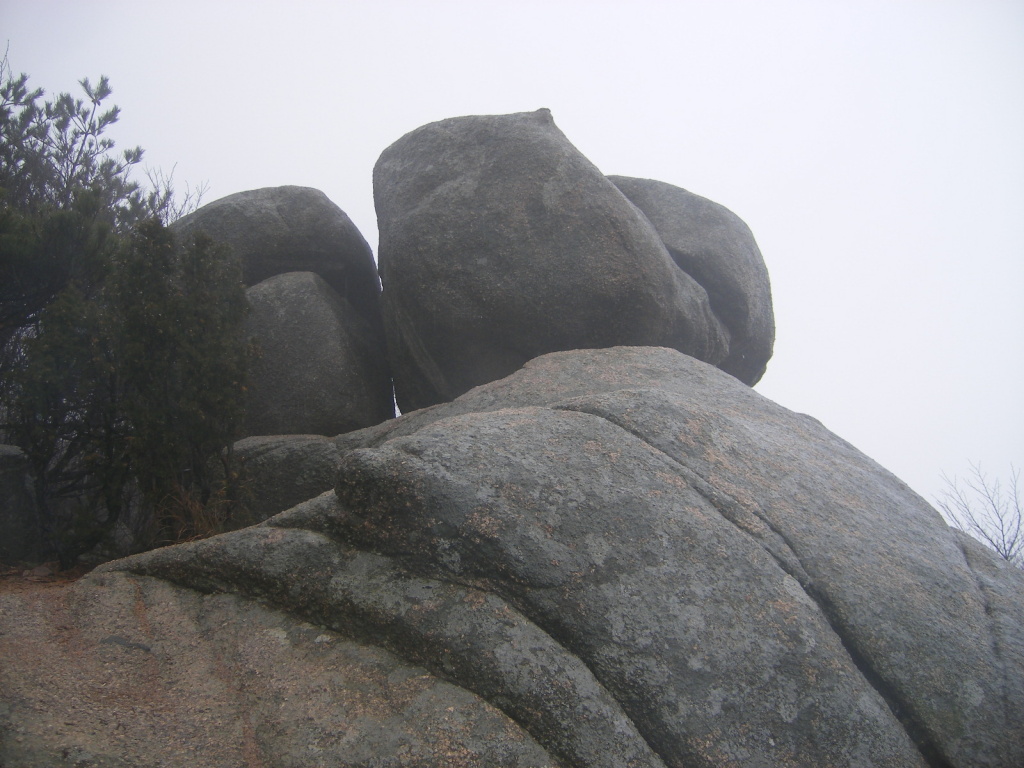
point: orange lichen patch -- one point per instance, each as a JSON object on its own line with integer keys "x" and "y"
{"x": 480, "y": 523}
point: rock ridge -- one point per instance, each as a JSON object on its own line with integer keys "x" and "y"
{"x": 689, "y": 553}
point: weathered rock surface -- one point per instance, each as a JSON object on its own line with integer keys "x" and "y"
{"x": 633, "y": 556}
{"x": 716, "y": 248}
{"x": 19, "y": 536}
{"x": 131, "y": 672}
{"x": 499, "y": 242}
{"x": 321, "y": 368}
{"x": 292, "y": 229}
{"x": 280, "y": 471}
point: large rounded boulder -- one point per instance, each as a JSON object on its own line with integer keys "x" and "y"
{"x": 274, "y": 230}
{"x": 627, "y": 554}
{"x": 500, "y": 241}
{"x": 716, "y": 248}
{"x": 320, "y": 368}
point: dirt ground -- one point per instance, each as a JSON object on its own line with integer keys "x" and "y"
{"x": 19, "y": 578}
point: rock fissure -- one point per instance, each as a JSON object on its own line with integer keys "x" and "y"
{"x": 731, "y": 510}
{"x": 728, "y": 507}
{"x": 901, "y": 709}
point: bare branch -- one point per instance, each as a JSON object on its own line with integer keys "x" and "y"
{"x": 163, "y": 200}
{"x": 979, "y": 507}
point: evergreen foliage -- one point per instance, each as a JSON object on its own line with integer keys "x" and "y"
{"x": 122, "y": 365}
{"x": 178, "y": 315}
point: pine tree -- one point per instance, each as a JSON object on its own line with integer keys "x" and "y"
{"x": 122, "y": 364}
{"x": 178, "y": 318}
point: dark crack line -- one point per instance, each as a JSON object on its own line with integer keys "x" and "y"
{"x": 997, "y": 647}
{"x": 726, "y": 505}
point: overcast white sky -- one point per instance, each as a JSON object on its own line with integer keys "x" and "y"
{"x": 875, "y": 148}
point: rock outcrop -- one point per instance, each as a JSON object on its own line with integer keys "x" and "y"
{"x": 292, "y": 229}
{"x": 280, "y": 471}
{"x": 713, "y": 245}
{"x": 618, "y": 557}
{"x": 132, "y": 672}
{"x": 315, "y": 295}
{"x": 321, "y": 369}
{"x": 580, "y": 554}
{"x": 499, "y": 242}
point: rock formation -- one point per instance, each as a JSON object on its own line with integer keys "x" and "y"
{"x": 320, "y": 369}
{"x": 627, "y": 554}
{"x": 597, "y": 546}
{"x": 499, "y": 242}
{"x": 714, "y": 246}
{"x": 316, "y": 321}
{"x": 280, "y": 471}
{"x": 131, "y": 672}
{"x": 292, "y": 229}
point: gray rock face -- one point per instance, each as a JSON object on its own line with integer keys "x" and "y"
{"x": 19, "y": 536}
{"x": 713, "y": 245}
{"x": 321, "y": 370}
{"x": 501, "y": 242}
{"x": 126, "y": 672}
{"x": 280, "y": 471}
{"x": 640, "y": 561}
{"x": 292, "y": 229}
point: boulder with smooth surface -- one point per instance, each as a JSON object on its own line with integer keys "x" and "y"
{"x": 274, "y": 230}
{"x": 500, "y": 241}
{"x": 320, "y": 369}
{"x": 716, "y": 248}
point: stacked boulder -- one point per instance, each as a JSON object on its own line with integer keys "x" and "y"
{"x": 500, "y": 242}
{"x": 712, "y": 244}
{"x": 597, "y": 547}
{"x": 315, "y": 319}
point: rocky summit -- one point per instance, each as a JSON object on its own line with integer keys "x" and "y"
{"x": 611, "y": 557}
{"x": 587, "y": 542}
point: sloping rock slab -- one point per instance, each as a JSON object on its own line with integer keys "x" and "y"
{"x": 132, "y": 672}
{"x": 641, "y": 561}
{"x": 280, "y": 471}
